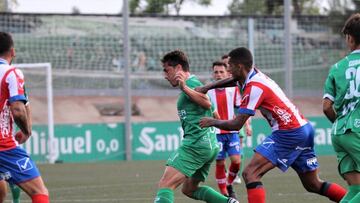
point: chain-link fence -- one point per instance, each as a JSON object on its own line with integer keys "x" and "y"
{"x": 86, "y": 50}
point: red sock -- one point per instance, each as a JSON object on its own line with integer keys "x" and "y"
{"x": 233, "y": 171}
{"x": 40, "y": 198}
{"x": 334, "y": 192}
{"x": 221, "y": 178}
{"x": 255, "y": 192}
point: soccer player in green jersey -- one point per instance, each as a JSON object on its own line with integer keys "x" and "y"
{"x": 342, "y": 108}
{"x": 190, "y": 164}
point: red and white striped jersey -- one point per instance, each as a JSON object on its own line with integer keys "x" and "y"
{"x": 261, "y": 92}
{"x": 11, "y": 90}
{"x": 224, "y": 101}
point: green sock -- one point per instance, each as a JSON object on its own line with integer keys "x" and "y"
{"x": 209, "y": 195}
{"x": 350, "y": 195}
{"x": 15, "y": 191}
{"x": 164, "y": 195}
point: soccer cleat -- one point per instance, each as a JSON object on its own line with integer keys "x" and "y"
{"x": 232, "y": 200}
{"x": 231, "y": 191}
{"x": 237, "y": 180}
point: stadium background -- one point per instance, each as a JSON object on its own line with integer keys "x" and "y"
{"x": 87, "y": 57}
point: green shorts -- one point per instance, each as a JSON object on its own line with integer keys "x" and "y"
{"x": 194, "y": 160}
{"x": 347, "y": 148}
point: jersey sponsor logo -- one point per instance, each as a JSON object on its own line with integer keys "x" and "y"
{"x": 312, "y": 162}
{"x": 5, "y": 121}
{"x": 5, "y": 176}
{"x": 24, "y": 164}
{"x": 283, "y": 114}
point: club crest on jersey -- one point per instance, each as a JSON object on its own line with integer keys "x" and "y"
{"x": 283, "y": 114}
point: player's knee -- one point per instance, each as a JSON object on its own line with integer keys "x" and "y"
{"x": 37, "y": 190}
{"x": 249, "y": 175}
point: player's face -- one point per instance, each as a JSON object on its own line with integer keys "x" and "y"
{"x": 169, "y": 73}
{"x": 237, "y": 71}
{"x": 220, "y": 72}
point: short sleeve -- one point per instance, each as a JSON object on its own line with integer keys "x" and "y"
{"x": 251, "y": 99}
{"x": 16, "y": 86}
{"x": 329, "y": 87}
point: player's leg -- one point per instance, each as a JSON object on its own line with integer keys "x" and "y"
{"x": 36, "y": 189}
{"x": 242, "y": 161}
{"x": 220, "y": 167}
{"x": 3, "y": 191}
{"x": 170, "y": 180}
{"x": 25, "y": 174}
{"x": 234, "y": 151}
{"x": 15, "y": 192}
{"x": 347, "y": 148}
{"x": 312, "y": 183}
{"x": 353, "y": 194}
{"x": 192, "y": 189}
{"x": 253, "y": 172}
{"x": 306, "y": 166}
{"x": 220, "y": 176}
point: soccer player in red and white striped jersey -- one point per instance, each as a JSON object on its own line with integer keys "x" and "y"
{"x": 226, "y": 101}
{"x": 291, "y": 143}
{"x": 16, "y": 166}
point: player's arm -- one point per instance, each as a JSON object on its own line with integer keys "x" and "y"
{"x": 328, "y": 98}
{"x": 227, "y": 82}
{"x": 197, "y": 97}
{"x": 234, "y": 124}
{"x": 20, "y": 115}
{"x": 328, "y": 109}
{"x": 18, "y": 101}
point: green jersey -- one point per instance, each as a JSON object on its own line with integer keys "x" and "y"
{"x": 342, "y": 86}
{"x": 190, "y": 114}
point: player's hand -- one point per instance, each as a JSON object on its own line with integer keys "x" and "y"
{"x": 201, "y": 89}
{"x": 207, "y": 122}
{"x": 20, "y": 137}
{"x": 180, "y": 78}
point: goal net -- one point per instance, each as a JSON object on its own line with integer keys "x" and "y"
{"x": 38, "y": 82}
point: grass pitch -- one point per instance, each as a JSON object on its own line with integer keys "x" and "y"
{"x": 136, "y": 182}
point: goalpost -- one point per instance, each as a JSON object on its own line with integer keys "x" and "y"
{"x": 51, "y": 156}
